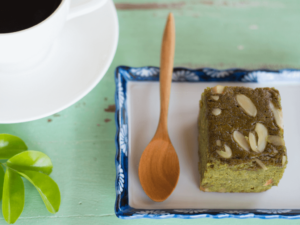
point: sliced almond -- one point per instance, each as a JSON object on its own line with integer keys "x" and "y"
{"x": 241, "y": 140}
{"x": 277, "y": 115}
{"x": 276, "y": 140}
{"x": 252, "y": 141}
{"x": 215, "y": 97}
{"x": 246, "y": 104}
{"x": 225, "y": 154}
{"x": 262, "y": 134}
{"x": 260, "y": 163}
{"x": 218, "y": 142}
{"x": 216, "y": 111}
{"x": 268, "y": 182}
{"x": 218, "y": 89}
{"x": 204, "y": 189}
{"x": 283, "y": 160}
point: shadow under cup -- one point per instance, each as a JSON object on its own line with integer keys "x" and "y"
{"x": 17, "y": 15}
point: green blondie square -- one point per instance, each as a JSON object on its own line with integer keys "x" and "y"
{"x": 241, "y": 145}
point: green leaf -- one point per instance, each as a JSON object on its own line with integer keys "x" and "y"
{"x": 31, "y": 160}
{"x": 11, "y": 145}
{"x": 47, "y": 188}
{"x": 1, "y": 181}
{"x": 13, "y": 196}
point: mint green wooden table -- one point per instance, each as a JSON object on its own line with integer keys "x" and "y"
{"x": 80, "y": 140}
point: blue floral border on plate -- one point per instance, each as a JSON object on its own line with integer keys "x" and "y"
{"x": 123, "y": 74}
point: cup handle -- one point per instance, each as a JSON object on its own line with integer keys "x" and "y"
{"x": 84, "y": 8}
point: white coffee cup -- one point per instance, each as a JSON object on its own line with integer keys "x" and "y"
{"x": 25, "y": 48}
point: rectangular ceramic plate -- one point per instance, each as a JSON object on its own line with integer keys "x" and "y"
{"x": 137, "y": 113}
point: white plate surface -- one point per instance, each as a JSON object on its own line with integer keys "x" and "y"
{"x": 143, "y": 111}
{"x": 76, "y": 63}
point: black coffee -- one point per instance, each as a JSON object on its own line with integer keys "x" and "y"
{"x": 16, "y": 15}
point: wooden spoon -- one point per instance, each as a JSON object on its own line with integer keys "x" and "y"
{"x": 159, "y": 164}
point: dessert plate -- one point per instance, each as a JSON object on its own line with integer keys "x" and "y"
{"x": 137, "y": 114}
{"x": 74, "y": 65}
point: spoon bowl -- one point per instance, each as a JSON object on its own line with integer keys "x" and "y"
{"x": 159, "y": 169}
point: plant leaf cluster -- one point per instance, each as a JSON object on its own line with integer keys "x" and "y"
{"x": 34, "y": 166}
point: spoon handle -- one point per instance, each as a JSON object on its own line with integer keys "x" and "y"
{"x": 166, "y": 70}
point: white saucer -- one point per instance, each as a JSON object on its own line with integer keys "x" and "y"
{"x": 75, "y": 64}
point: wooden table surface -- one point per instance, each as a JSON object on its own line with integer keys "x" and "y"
{"x": 80, "y": 140}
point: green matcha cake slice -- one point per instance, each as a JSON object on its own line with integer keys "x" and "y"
{"x": 241, "y": 145}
